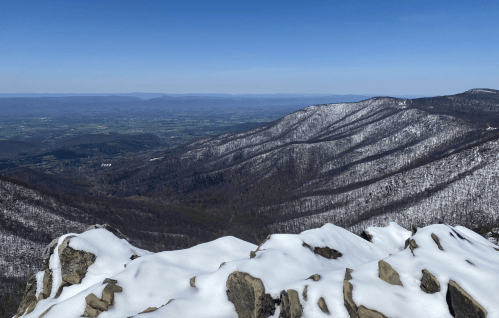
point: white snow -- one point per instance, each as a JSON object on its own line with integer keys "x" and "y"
{"x": 283, "y": 262}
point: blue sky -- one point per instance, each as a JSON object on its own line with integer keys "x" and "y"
{"x": 332, "y": 47}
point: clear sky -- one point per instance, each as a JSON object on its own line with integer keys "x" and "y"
{"x": 333, "y": 47}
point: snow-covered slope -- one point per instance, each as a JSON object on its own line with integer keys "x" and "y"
{"x": 435, "y": 271}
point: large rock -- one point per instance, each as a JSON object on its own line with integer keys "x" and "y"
{"x": 247, "y": 293}
{"x": 74, "y": 264}
{"x": 429, "y": 283}
{"x": 388, "y": 274}
{"x": 290, "y": 304}
{"x": 461, "y": 304}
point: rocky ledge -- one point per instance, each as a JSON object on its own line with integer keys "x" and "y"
{"x": 436, "y": 271}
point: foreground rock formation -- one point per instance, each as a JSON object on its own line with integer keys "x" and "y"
{"x": 436, "y": 271}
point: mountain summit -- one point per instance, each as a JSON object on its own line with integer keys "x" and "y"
{"x": 437, "y": 271}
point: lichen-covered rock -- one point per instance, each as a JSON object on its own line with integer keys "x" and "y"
{"x": 29, "y": 300}
{"x": 247, "y": 293}
{"x": 429, "y": 283}
{"x": 327, "y": 252}
{"x": 388, "y": 274}
{"x": 369, "y": 313}
{"x": 461, "y": 304}
{"x": 323, "y": 306}
{"x": 290, "y": 304}
{"x": 74, "y": 264}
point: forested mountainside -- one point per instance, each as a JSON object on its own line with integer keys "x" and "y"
{"x": 417, "y": 161}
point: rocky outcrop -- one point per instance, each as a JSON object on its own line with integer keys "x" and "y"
{"x": 461, "y": 304}
{"x": 290, "y": 304}
{"x": 95, "y": 306}
{"x": 74, "y": 264}
{"x": 247, "y": 293}
{"x": 327, "y": 252}
{"x": 388, "y": 274}
{"x": 29, "y": 298}
{"x": 192, "y": 281}
{"x": 429, "y": 283}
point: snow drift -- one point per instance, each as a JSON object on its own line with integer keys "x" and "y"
{"x": 435, "y": 271}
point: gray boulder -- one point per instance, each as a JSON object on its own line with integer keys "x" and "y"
{"x": 429, "y": 283}
{"x": 388, "y": 274}
{"x": 290, "y": 304}
{"x": 461, "y": 304}
{"x": 247, "y": 293}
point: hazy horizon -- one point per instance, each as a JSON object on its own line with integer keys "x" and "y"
{"x": 388, "y": 48}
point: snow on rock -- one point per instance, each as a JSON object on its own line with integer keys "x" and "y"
{"x": 435, "y": 271}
